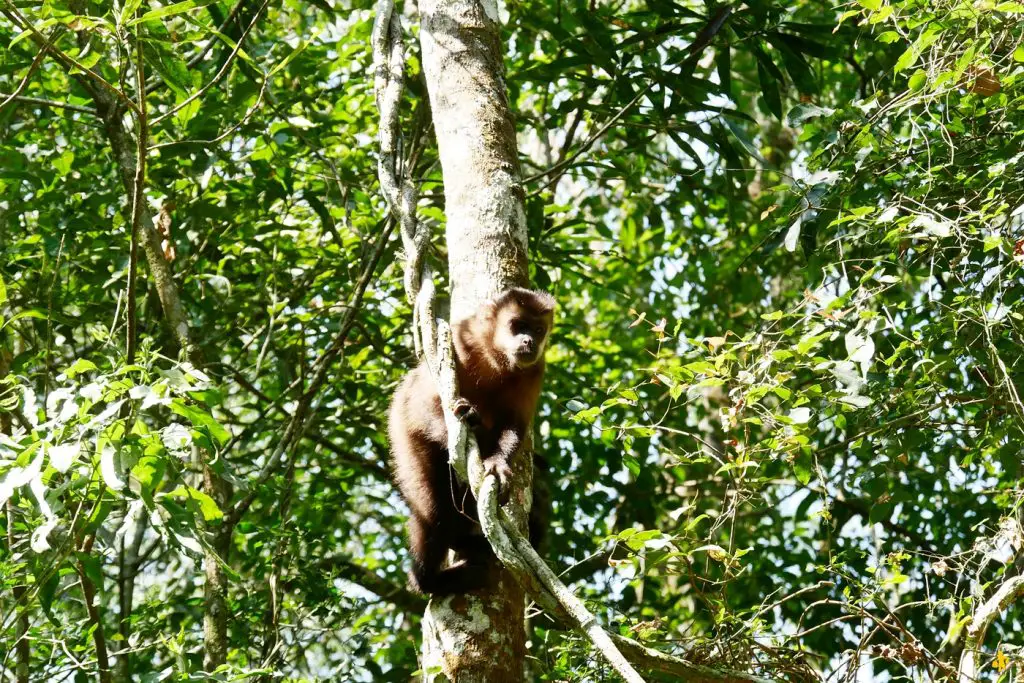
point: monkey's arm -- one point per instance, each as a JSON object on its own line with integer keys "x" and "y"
{"x": 497, "y": 446}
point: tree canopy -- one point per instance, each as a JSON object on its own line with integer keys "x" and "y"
{"x": 782, "y": 416}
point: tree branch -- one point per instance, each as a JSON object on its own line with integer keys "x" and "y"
{"x": 95, "y": 620}
{"x": 12, "y": 13}
{"x": 32, "y": 68}
{"x": 299, "y": 421}
{"x": 1008, "y": 593}
{"x": 50, "y": 103}
{"x": 138, "y": 192}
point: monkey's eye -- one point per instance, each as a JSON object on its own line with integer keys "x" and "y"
{"x": 519, "y": 327}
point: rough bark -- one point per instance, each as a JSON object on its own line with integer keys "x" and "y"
{"x": 476, "y": 637}
{"x": 214, "y": 591}
{"x": 476, "y": 139}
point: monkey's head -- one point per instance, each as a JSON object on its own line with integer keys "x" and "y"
{"x": 521, "y": 321}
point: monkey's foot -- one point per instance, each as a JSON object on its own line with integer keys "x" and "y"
{"x": 465, "y": 412}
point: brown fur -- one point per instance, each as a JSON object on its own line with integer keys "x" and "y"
{"x": 499, "y": 355}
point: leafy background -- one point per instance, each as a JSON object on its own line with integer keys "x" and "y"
{"x": 782, "y": 416}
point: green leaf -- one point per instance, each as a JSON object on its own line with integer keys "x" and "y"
{"x": 170, "y": 10}
{"x": 802, "y": 112}
{"x": 79, "y": 366}
{"x": 63, "y": 161}
{"x": 36, "y": 27}
{"x": 206, "y": 505}
{"x": 797, "y": 67}
{"x": 200, "y": 418}
{"x": 701, "y": 367}
{"x": 723, "y": 64}
{"x": 745, "y": 142}
{"x": 240, "y": 51}
{"x": 149, "y": 472}
{"x": 769, "y": 86}
{"x": 917, "y": 80}
{"x": 802, "y": 471}
{"x": 870, "y": 4}
{"x": 167, "y": 62}
{"x": 907, "y": 59}
{"x": 128, "y": 10}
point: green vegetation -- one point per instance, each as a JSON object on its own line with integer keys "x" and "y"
{"x": 782, "y": 417}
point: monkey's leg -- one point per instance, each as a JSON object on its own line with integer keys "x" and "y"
{"x": 428, "y": 553}
{"x": 538, "y": 519}
{"x": 473, "y": 569}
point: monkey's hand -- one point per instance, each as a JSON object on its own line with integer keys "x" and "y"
{"x": 503, "y": 473}
{"x": 465, "y": 412}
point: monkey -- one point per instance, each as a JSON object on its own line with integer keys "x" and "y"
{"x": 163, "y": 228}
{"x": 499, "y": 363}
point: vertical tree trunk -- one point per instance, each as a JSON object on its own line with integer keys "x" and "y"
{"x": 478, "y": 637}
{"x": 476, "y": 137}
{"x": 22, "y": 654}
{"x": 215, "y": 617}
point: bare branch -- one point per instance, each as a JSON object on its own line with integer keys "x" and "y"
{"x": 138, "y": 192}
{"x": 300, "y": 418}
{"x": 1009, "y": 592}
{"x": 50, "y": 103}
{"x": 32, "y": 68}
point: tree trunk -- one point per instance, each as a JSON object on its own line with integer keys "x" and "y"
{"x": 22, "y": 653}
{"x": 480, "y": 636}
{"x": 215, "y": 617}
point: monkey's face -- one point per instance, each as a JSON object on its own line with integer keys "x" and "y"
{"x": 521, "y": 334}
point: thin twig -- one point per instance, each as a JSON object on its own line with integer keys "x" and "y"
{"x": 137, "y": 199}
{"x": 300, "y": 417}
{"x": 220, "y": 73}
{"x": 95, "y": 620}
{"x": 50, "y": 103}
{"x": 32, "y": 68}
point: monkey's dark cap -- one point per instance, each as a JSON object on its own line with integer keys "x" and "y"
{"x": 541, "y": 302}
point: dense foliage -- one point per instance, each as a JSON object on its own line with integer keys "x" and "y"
{"x": 782, "y": 419}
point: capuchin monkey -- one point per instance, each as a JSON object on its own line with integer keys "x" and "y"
{"x": 499, "y": 362}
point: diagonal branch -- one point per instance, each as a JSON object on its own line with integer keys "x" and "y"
{"x": 69, "y": 62}
{"x": 26, "y": 79}
{"x": 220, "y": 73}
{"x": 1009, "y": 592}
{"x": 300, "y": 417}
{"x": 50, "y": 103}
